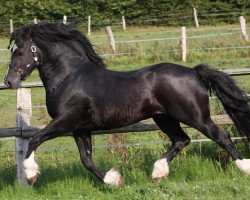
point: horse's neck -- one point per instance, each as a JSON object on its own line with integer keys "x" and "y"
{"x": 59, "y": 62}
{"x": 68, "y": 59}
{"x": 53, "y": 75}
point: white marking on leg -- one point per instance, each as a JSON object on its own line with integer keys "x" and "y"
{"x": 113, "y": 177}
{"x": 243, "y": 165}
{"x": 31, "y": 169}
{"x": 161, "y": 169}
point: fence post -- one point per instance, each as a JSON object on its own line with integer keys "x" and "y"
{"x": 111, "y": 38}
{"x": 11, "y": 26}
{"x": 243, "y": 28}
{"x": 184, "y": 43}
{"x": 196, "y": 19}
{"x": 89, "y": 25}
{"x": 123, "y": 23}
{"x": 64, "y": 19}
{"x": 23, "y": 119}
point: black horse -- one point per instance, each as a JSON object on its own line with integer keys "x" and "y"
{"x": 83, "y": 96}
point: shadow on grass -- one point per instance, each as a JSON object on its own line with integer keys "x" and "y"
{"x": 56, "y": 172}
{"x": 7, "y": 177}
{"x": 138, "y": 169}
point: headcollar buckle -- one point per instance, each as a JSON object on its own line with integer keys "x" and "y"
{"x": 33, "y": 48}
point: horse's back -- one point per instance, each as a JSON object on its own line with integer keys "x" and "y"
{"x": 168, "y": 77}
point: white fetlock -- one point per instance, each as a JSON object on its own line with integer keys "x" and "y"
{"x": 161, "y": 170}
{"x": 243, "y": 165}
{"x": 31, "y": 169}
{"x": 114, "y": 177}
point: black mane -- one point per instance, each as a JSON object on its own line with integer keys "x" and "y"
{"x": 49, "y": 33}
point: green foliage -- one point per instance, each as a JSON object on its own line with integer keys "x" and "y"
{"x": 112, "y": 9}
{"x": 109, "y": 12}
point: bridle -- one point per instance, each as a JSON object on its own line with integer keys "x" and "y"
{"x": 20, "y": 71}
{"x": 34, "y": 52}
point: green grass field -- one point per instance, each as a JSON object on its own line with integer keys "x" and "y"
{"x": 200, "y": 172}
{"x": 192, "y": 175}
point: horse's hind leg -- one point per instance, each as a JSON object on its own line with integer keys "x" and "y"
{"x": 211, "y": 130}
{"x": 179, "y": 139}
{"x": 84, "y": 145}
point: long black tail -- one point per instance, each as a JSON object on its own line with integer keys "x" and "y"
{"x": 234, "y": 100}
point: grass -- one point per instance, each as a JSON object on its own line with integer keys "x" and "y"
{"x": 191, "y": 177}
{"x": 208, "y": 174}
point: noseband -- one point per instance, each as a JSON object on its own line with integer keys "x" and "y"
{"x": 20, "y": 71}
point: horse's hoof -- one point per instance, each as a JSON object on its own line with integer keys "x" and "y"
{"x": 121, "y": 183}
{"x": 32, "y": 179}
{"x": 31, "y": 169}
{"x": 160, "y": 171}
{"x": 243, "y": 165}
{"x": 158, "y": 179}
{"x": 114, "y": 177}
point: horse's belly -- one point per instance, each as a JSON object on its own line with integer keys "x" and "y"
{"x": 123, "y": 118}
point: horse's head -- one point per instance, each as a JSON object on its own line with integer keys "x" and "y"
{"x": 24, "y": 58}
{"x": 47, "y": 44}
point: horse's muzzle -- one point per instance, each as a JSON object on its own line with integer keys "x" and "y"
{"x": 11, "y": 84}
{"x": 6, "y": 82}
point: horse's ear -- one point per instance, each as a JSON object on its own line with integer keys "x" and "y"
{"x": 27, "y": 34}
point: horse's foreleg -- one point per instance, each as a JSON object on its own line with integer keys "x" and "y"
{"x": 179, "y": 139}
{"x": 57, "y": 127}
{"x": 84, "y": 145}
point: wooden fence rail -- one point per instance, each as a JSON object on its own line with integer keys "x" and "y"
{"x": 231, "y": 72}
{"x": 145, "y": 125}
{"x": 24, "y": 131}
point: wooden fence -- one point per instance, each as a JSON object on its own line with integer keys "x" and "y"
{"x": 24, "y": 131}
{"x": 183, "y": 37}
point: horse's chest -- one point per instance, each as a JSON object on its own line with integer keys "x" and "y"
{"x": 54, "y": 104}
{"x": 52, "y": 108}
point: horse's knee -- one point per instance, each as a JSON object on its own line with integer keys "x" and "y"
{"x": 225, "y": 136}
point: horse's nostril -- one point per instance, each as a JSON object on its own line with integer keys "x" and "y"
{"x": 9, "y": 83}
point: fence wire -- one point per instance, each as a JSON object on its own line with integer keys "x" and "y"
{"x": 106, "y": 146}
